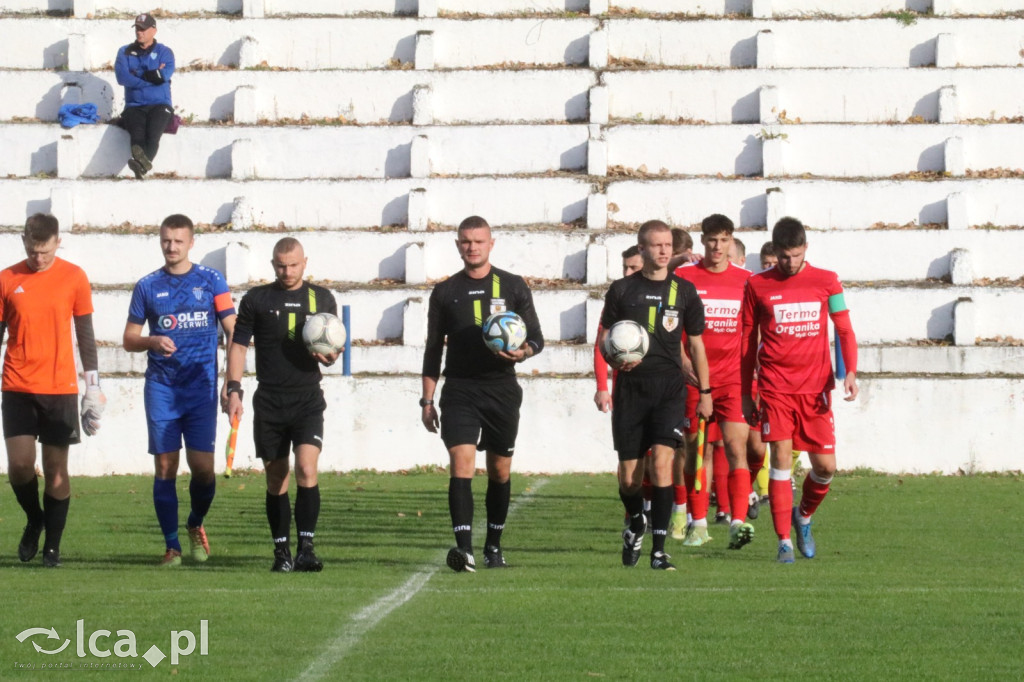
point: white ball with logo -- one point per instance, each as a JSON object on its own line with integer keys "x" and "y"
{"x": 626, "y": 342}
{"x": 324, "y": 333}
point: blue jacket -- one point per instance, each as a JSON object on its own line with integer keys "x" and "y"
{"x": 132, "y": 61}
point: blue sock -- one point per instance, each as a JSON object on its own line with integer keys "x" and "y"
{"x": 165, "y": 499}
{"x": 202, "y": 497}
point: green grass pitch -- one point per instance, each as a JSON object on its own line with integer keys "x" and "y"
{"x": 916, "y": 578}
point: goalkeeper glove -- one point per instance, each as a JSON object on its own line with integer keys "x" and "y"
{"x": 93, "y": 404}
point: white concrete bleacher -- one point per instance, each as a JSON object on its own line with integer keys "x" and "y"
{"x": 893, "y": 137}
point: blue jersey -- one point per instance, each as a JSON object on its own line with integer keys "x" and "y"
{"x": 185, "y": 308}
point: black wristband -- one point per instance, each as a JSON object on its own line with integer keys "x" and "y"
{"x": 424, "y": 402}
{"x": 704, "y": 391}
{"x": 236, "y": 387}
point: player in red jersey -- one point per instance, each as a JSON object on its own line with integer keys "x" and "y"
{"x": 720, "y": 284}
{"x": 787, "y": 306}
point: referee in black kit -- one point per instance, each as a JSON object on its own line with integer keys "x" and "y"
{"x": 288, "y": 405}
{"x": 481, "y": 393}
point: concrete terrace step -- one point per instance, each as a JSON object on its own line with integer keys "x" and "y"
{"x": 814, "y": 95}
{"x": 579, "y": 359}
{"x": 377, "y": 97}
{"x": 810, "y": 9}
{"x": 881, "y": 314}
{"x": 299, "y": 152}
{"x": 303, "y": 43}
{"x": 577, "y": 257}
{"x": 420, "y": 202}
{"x": 814, "y": 43}
{"x": 371, "y": 43}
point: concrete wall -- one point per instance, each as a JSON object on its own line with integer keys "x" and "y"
{"x": 373, "y": 422}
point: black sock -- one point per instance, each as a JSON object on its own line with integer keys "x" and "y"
{"x": 460, "y": 505}
{"x": 27, "y": 494}
{"x": 279, "y": 515}
{"x": 634, "y": 504}
{"x": 661, "y": 511}
{"x": 55, "y": 514}
{"x": 307, "y": 511}
{"x": 498, "y": 495}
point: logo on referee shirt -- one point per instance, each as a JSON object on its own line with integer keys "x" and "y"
{"x": 497, "y": 306}
{"x": 670, "y": 320}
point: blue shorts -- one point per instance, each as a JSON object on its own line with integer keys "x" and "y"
{"x": 173, "y": 413}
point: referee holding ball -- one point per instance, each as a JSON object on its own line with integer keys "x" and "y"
{"x": 288, "y": 405}
{"x": 481, "y": 398}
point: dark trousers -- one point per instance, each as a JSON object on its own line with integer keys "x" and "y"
{"x": 145, "y": 125}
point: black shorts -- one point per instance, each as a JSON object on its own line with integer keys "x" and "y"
{"x": 53, "y": 419}
{"x": 646, "y": 411}
{"x": 484, "y": 413}
{"x": 283, "y": 420}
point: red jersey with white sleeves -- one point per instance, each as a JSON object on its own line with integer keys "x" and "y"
{"x": 722, "y": 294}
{"x": 789, "y": 312}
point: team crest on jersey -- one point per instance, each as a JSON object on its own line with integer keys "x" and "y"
{"x": 498, "y": 305}
{"x": 198, "y": 293}
{"x": 670, "y": 320}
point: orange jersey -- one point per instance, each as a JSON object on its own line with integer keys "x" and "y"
{"x": 37, "y": 308}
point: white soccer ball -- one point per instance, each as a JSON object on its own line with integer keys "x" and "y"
{"x": 626, "y": 341}
{"x": 504, "y": 332}
{"x": 324, "y": 333}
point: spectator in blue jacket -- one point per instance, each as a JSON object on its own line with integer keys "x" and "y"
{"x": 145, "y": 68}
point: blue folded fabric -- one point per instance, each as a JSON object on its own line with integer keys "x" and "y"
{"x": 71, "y": 115}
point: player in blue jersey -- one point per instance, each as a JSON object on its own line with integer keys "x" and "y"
{"x": 182, "y": 303}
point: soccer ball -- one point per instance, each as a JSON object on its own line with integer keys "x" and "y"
{"x": 324, "y": 333}
{"x": 504, "y": 332}
{"x": 626, "y": 341}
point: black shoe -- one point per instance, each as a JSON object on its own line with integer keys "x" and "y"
{"x": 722, "y": 519}
{"x": 493, "y": 558}
{"x": 282, "y": 561}
{"x": 136, "y": 167}
{"x": 631, "y": 544}
{"x": 29, "y": 545}
{"x": 139, "y": 155}
{"x": 755, "y": 507}
{"x": 306, "y": 560}
{"x": 460, "y": 561}
{"x": 51, "y": 558}
{"x": 660, "y": 562}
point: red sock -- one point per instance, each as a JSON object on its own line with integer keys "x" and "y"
{"x": 697, "y": 502}
{"x": 680, "y": 493}
{"x": 739, "y": 493}
{"x": 755, "y": 462}
{"x": 780, "y": 496}
{"x": 813, "y": 495}
{"x": 721, "y": 479}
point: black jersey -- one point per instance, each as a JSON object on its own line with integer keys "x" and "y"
{"x": 665, "y": 308}
{"x": 458, "y": 308}
{"x": 274, "y": 317}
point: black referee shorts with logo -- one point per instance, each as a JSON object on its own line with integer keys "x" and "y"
{"x": 284, "y": 420}
{"x": 647, "y": 410}
{"x": 484, "y": 413}
{"x": 52, "y": 419}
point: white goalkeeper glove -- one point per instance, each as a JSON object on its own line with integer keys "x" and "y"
{"x": 93, "y": 404}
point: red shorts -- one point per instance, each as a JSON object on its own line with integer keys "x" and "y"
{"x": 806, "y": 419}
{"x": 728, "y": 407}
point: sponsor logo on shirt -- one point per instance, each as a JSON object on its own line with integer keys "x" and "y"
{"x": 799, "y": 319}
{"x": 193, "y": 320}
{"x": 721, "y": 316}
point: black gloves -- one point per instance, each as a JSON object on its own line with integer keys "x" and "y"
{"x": 153, "y": 76}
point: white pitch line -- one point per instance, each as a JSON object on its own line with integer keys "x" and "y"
{"x": 368, "y": 618}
